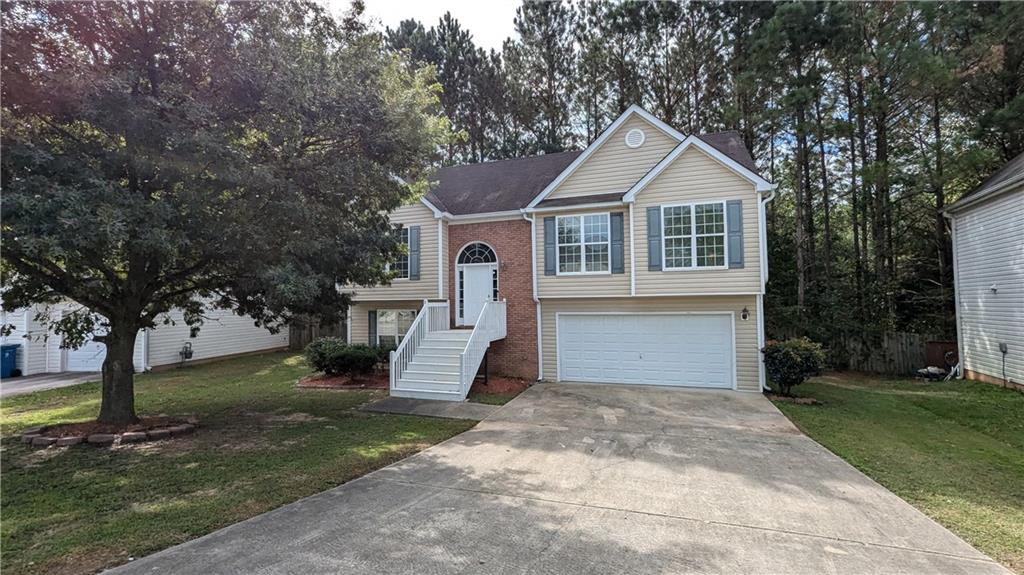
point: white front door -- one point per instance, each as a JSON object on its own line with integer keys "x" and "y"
{"x": 692, "y": 350}
{"x": 477, "y": 288}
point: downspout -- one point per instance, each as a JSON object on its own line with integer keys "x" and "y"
{"x": 442, "y": 259}
{"x": 536, "y": 300}
{"x": 762, "y": 216}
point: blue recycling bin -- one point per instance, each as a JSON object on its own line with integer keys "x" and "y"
{"x": 8, "y": 356}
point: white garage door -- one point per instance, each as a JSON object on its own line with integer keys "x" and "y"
{"x": 89, "y": 357}
{"x": 671, "y": 349}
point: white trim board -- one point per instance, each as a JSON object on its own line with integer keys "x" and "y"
{"x": 760, "y": 183}
{"x": 601, "y": 139}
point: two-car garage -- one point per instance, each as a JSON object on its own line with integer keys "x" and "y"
{"x": 678, "y": 349}
{"x": 684, "y": 341}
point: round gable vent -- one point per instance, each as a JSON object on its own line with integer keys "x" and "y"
{"x": 635, "y": 138}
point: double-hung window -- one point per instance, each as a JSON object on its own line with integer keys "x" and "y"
{"x": 392, "y": 325}
{"x": 693, "y": 236}
{"x": 584, "y": 244}
{"x": 401, "y": 265}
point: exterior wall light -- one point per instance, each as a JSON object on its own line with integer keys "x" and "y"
{"x": 745, "y": 314}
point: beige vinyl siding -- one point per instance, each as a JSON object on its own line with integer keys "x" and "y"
{"x": 615, "y": 167}
{"x": 360, "y": 317}
{"x": 694, "y": 177}
{"x": 989, "y": 248}
{"x": 415, "y": 214}
{"x": 747, "y": 353}
{"x": 593, "y": 285}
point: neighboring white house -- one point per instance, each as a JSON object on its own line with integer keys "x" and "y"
{"x": 222, "y": 334}
{"x": 988, "y": 264}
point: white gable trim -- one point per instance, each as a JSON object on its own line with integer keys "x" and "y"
{"x": 761, "y": 184}
{"x": 568, "y": 171}
{"x": 433, "y": 209}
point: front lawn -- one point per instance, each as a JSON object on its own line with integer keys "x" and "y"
{"x": 954, "y": 450}
{"x": 261, "y": 443}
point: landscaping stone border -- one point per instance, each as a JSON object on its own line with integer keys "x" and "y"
{"x": 36, "y": 436}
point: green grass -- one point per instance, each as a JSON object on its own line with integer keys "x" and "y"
{"x": 261, "y": 443}
{"x": 955, "y": 450}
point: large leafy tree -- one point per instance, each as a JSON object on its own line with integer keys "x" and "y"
{"x": 163, "y": 156}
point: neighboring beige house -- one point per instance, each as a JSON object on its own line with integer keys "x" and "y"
{"x": 988, "y": 266}
{"x": 223, "y": 334}
{"x": 640, "y": 260}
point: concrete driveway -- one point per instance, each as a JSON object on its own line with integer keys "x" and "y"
{"x": 27, "y": 384}
{"x": 586, "y": 479}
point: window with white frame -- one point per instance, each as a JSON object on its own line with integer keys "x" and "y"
{"x": 401, "y": 265}
{"x": 392, "y": 325}
{"x": 584, "y": 244}
{"x": 693, "y": 236}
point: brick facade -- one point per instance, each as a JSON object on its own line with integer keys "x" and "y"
{"x": 516, "y": 355}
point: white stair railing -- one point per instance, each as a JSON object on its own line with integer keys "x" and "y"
{"x": 433, "y": 317}
{"x": 490, "y": 325}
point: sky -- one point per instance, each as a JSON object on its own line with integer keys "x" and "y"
{"x": 489, "y": 21}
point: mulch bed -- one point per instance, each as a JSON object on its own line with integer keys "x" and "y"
{"x": 91, "y": 427}
{"x": 796, "y": 400}
{"x": 500, "y": 385}
{"x": 322, "y": 381}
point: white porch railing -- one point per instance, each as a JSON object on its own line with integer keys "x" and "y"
{"x": 490, "y": 326}
{"x": 433, "y": 317}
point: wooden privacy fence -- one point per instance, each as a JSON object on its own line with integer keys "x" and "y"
{"x": 899, "y": 353}
{"x": 303, "y": 331}
{"x": 894, "y": 352}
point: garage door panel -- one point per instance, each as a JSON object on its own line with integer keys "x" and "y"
{"x": 658, "y": 349}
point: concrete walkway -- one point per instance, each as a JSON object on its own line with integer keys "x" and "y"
{"x": 27, "y": 384}
{"x": 586, "y": 479}
{"x": 432, "y": 408}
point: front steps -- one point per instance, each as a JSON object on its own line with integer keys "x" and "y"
{"x": 433, "y": 372}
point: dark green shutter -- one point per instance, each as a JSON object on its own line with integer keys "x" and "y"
{"x": 414, "y": 252}
{"x": 373, "y": 326}
{"x": 550, "y": 251}
{"x": 654, "y": 238}
{"x": 618, "y": 247}
{"x": 734, "y": 226}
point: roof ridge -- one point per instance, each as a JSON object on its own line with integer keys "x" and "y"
{"x": 513, "y": 159}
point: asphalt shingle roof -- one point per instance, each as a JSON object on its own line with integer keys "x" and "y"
{"x": 512, "y": 184}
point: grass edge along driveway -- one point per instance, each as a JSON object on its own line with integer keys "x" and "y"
{"x": 954, "y": 450}
{"x": 261, "y": 444}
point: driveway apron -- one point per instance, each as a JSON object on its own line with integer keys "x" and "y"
{"x": 585, "y": 479}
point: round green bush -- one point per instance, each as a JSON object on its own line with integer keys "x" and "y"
{"x": 333, "y": 356}
{"x": 791, "y": 362}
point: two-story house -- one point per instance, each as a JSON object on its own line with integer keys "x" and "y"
{"x": 640, "y": 260}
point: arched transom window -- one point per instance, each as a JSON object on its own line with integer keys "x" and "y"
{"x": 477, "y": 253}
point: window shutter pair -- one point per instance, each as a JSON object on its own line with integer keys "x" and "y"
{"x": 617, "y": 242}
{"x": 414, "y": 252}
{"x": 733, "y": 229}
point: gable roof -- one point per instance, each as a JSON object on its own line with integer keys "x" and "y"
{"x": 633, "y": 110}
{"x": 721, "y": 156}
{"x": 514, "y": 184}
{"x": 731, "y": 144}
{"x": 499, "y": 186}
{"x": 1001, "y": 180}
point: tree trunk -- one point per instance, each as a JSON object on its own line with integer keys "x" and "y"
{"x": 118, "y": 401}
{"x": 826, "y": 200}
